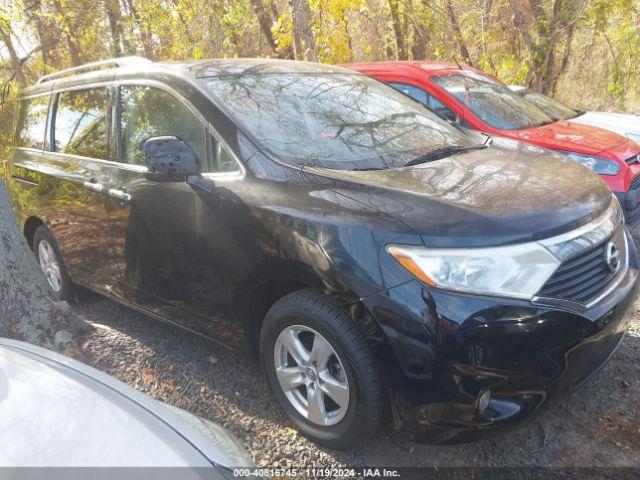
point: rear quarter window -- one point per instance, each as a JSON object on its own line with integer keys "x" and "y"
{"x": 32, "y": 122}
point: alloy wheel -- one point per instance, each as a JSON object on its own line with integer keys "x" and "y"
{"x": 311, "y": 375}
{"x": 50, "y": 265}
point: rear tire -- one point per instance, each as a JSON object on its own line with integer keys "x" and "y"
{"x": 48, "y": 256}
{"x": 330, "y": 386}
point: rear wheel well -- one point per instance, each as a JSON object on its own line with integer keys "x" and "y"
{"x": 262, "y": 299}
{"x": 30, "y": 227}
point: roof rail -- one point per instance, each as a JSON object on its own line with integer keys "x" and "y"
{"x": 113, "y": 62}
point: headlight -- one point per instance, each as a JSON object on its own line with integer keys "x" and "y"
{"x": 517, "y": 271}
{"x": 602, "y": 166}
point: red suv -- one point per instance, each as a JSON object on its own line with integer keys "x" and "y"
{"x": 475, "y": 100}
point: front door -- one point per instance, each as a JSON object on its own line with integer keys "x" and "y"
{"x": 168, "y": 255}
{"x": 73, "y": 174}
{"x": 22, "y": 164}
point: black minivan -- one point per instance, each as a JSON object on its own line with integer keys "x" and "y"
{"x": 372, "y": 256}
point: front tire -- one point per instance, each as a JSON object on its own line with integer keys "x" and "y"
{"x": 321, "y": 370}
{"x": 48, "y": 256}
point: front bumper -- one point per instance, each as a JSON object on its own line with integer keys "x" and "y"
{"x": 630, "y": 203}
{"x": 451, "y": 349}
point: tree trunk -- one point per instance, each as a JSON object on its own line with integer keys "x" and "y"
{"x": 485, "y": 20}
{"x": 534, "y": 79}
{"x": 142, "y": 28}
{"x": 548, "y": 74}
{"x": 28, "y": 310}
{"x": 265, "y": 21}
{"x": 304, "y": 47}
{"x": 34, "y": 13}
{"x": 401, "y": 48}
{"x": 565, "y": 59}
{"x": 420, "y": 39}
{"x": 16, "y": 64}
{"x": 455, "y": 26}
{"x": 67, "y": 29}
{"x": 112, "y": 9}
{"x": 520, "y": 23}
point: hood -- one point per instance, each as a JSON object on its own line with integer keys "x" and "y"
{"x": 488, "y": 197}
{"x": 620, "y": 123}
{"x": 565, "y": 135}
{"x": 52, "y": 406}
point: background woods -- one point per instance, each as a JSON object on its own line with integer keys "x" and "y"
{"x": 586, "y": 52}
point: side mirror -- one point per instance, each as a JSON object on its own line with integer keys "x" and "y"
{"x": 169, "y": 159}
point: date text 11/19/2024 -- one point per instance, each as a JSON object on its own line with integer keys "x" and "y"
{"x": 312, "y": 472}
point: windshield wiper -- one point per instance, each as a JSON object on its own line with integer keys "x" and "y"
{"x": 443, "y": 152}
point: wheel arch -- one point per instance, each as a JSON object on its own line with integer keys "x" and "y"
{"x": 30, "y": 226}
{"x": 264, "y": 286}
{"x": 266, "y": 290}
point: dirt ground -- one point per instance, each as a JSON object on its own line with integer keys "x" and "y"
{"x": 597, "y": 426}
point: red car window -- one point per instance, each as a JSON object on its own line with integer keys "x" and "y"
{"x": 492, "y": 102}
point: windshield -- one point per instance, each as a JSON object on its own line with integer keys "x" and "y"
{"x": 492, "y": 102}
{"x": 334, "y": 120}
{"x": 551, "y": 107}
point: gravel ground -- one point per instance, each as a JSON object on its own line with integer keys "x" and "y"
{"x": 597, "y": 426}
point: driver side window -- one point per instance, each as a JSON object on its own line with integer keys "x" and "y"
{"x": 440, "y": 109}
{"x": 147, "y": 112}
{"x": 428, "y": 100}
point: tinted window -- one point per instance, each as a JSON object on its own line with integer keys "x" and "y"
{"x": 147, "y": 112}
{"x": 551, "y": 107}
{"x": 221, "y": 159}
{"x": 32, "y": 122}
{"x": 334, "y": 120}
{"x": 414, "y": 92}
{"x": 492, "y": 102}
{"x": 440, "y": 109}
{"x": 428, "y": 100}
{"x": 81, "y": 123}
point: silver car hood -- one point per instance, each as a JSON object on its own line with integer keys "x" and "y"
{"x": 55, "y": 411}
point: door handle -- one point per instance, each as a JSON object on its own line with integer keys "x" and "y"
{"x": 93, "y": 184}
{"x": 120, "y": 193}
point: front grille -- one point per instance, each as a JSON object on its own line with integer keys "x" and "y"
{"x": 586, "y": 276}
{"x": 635, "y": 183}
{"x": 632, "y": 160}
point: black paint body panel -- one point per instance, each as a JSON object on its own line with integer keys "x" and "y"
{"x": 195, "y": 253}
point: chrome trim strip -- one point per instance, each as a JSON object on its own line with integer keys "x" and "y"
{"x": 87, "y": 67}
{"x": 29, "y": 149}
{"x": 617, "y": 281}
{"x": 24, "y": 180}
{"x": 578, "y": 232}
{"x": 111, "y": 163}
{"x": 585, "y": 306}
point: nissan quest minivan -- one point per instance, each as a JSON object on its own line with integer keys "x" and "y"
{"x": 369, "y": 254}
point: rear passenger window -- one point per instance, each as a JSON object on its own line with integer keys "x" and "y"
{"x": 32, "y": 122}
{"x": 147, "y": 112}
{"x": 81, "y": 123}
